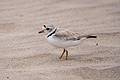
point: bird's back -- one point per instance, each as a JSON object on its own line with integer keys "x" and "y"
{"x": 64, "y": 38}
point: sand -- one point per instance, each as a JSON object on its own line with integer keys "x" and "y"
{"x": 26, "y": 55}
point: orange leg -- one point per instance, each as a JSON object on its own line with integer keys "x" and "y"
{"x": 62, "y": 54}
{"x": 66, "y": 54}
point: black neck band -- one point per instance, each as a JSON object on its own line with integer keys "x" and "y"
{"x": 52, "y": 32}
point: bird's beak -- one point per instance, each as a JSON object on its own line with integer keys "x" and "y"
{"x": 41, "y": 31}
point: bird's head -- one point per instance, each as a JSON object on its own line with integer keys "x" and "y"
{"x": 47, "y": 28}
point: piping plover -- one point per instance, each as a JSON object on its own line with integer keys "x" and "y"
{"x": 62, "y": 38}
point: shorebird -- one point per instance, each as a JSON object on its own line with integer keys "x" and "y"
{"x": 63, "y": 38}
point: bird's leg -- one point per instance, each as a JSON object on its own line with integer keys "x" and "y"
{"x": 66, "y": 54}
{"x": 62, "y": 54}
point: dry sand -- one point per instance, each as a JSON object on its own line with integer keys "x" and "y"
{"x": 26, "y": 55}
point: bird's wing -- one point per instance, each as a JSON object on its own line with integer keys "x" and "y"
{"x": 67, "y": 35}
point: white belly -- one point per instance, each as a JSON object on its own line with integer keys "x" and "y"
{"x": 62, "y": 43}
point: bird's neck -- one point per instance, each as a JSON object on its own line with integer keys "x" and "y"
{"x": 52, "y": 32}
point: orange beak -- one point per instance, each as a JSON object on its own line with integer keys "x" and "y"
{"x": 42, "y": 30}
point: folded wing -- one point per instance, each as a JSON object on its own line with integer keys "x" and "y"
{"x": 67, "y": 35}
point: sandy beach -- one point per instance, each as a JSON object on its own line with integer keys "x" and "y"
{"x": 26, "y": 55}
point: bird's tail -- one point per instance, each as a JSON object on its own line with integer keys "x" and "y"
{"x": 90, "y": 36}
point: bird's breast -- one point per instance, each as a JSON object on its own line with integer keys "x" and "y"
{"x": 62, "y": 43}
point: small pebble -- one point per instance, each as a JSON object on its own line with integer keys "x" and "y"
{"x": 96, "y": 44}
{"x": 7, "y": 77}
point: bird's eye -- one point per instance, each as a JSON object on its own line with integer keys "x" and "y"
{"x": 47, "y": 28}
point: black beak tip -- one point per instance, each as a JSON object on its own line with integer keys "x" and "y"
{"x": 39, "y": 32}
